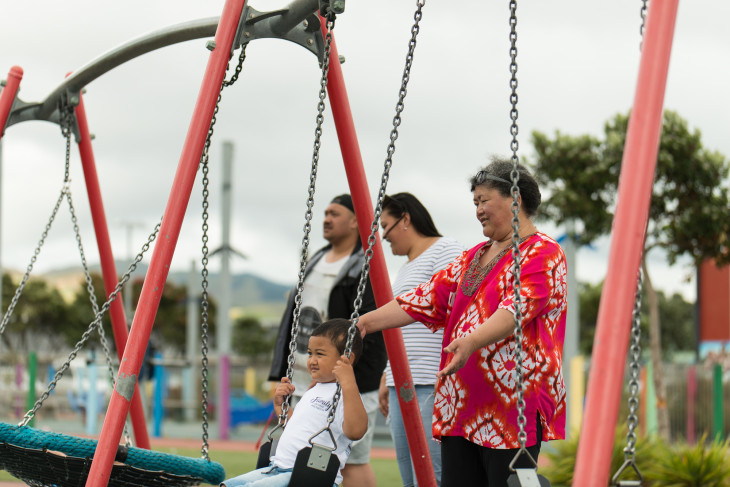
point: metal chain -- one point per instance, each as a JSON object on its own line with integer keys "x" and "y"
{"x": 635, "y": 349}
{"x": 95, "y": 306}
{"x": 94, "y": 324}
{"x": 633, "y": 401}
{"x": 304, "y": 256}
{"x": 365, "y": 270}
{"x": 517, "y": 270}
{"x": 65, "y": 124}
{"x": 19, "y": 290}
{"x": 635, "y": 369}
{"x": 400, "y": 105}
{"x": 204, "y": 302}
{"x": 642, "y": 13}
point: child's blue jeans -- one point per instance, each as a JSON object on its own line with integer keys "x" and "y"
{"x": 270, "y": 476}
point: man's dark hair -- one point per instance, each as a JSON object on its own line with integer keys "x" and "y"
{"x": 336, "y": 331}
{"x": 401, "y": 203}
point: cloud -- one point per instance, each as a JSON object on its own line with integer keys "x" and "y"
{"x": 577, "y": 68}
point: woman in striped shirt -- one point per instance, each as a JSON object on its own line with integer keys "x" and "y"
{"x": 409, "y": 229}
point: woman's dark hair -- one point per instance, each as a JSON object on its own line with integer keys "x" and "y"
{"x": 336, "y": 331}
{"x": 497, "y": 175}
{"x": 401, "y": 203}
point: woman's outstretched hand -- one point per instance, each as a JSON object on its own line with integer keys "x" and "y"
{"x": 460, "y": 350}
{"x": 362, "y": 325}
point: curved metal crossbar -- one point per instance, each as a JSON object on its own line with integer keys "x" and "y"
{"x": 77, "y": 452}
{"x": 294, "y": 22}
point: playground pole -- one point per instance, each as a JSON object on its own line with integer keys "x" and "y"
{"x": 32, "y": 369}
{"x": 352, "y": 158}
{"x": 8, "y": 94}
{"x": 165, "y": 245}
{"x": 92, "y": 397}
{"x": 108, "y": 266}
{"x": 223, "y": 411}
{"x": 605, "y": 382}
{"x": 718, "y": 420}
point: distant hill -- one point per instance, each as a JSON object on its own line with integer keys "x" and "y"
{"x": 249, "y": 290}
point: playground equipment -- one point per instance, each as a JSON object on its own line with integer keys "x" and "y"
{"x": 631, "y": 215}
{"x": 298, "y": 23}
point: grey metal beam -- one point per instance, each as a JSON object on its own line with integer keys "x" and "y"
{"x": 297, "y": 23}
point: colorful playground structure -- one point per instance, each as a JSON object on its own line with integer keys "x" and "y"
{"x": 302, "y": 23}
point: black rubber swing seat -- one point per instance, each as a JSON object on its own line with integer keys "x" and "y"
{"x": 315, "y": 466}
{"x": 41, "y": 458}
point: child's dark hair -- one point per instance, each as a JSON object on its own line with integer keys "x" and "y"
{"x": 336, "y": 330}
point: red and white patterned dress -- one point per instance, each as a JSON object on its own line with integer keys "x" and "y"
{"x": 479, "y": 402}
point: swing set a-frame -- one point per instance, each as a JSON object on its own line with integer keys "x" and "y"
{"x": 300, "y": 23}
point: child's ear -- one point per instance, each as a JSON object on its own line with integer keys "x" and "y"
{"x": 351, "y": 359}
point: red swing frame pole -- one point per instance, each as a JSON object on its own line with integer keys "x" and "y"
{"x": 355, "y": 171}
{"x": 108, "y": 267}
{"x": 593, "y": 461}
{"x": 8, "y": 94}
{"x": 154, "y": 283}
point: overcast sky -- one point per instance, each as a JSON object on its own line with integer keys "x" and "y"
{"x": 578, "y": 63}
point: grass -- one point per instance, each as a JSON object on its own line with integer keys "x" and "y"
{"x": 235, "y": 463}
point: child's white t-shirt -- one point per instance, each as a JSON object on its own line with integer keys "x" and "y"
{"x": 310, "y": 417}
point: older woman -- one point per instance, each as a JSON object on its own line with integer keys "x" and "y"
{"x": 472, "y": 301}
{"x": 411, "y": 232}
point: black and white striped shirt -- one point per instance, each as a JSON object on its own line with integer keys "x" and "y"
{"x": 423, "y": 347}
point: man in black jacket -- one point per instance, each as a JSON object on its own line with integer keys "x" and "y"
{"x": 330, "y": 287}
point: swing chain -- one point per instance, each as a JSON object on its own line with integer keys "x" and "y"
{"x": 94, "y": 324}
{"x": 304, "y": 257}
{"x": 66, "y": 132}
{"x": 515, "y": 177}
{"x": 92, "y": 298}
{"x": 400, "y": 105}
{"x": 33, "y": 259}
{"x": 239, "y": 67}
{"x": 66, "y": 124}
{"x": 643, "y": 23}
{"x": 204, "y": 302}
{"x": 633, "y": 401}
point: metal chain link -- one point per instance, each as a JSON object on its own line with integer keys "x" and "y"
{"x": 635, "y": 349}
{"x": 19, "y": 290}
{"x": 204, "y": 302}
{"x": 94, "y": 324}
{"x": 304, "y": 256}
{"x": 517, "y": 270}
{"x": 65, "y": 124}
{"x": 633, "y": 400}
{"x": 400, "y": 105}
{"x": 635, "y": 368}
{"x": 92, "y": 298}
{"x": 642, "y": 13}
{"x": 372, "y": 238}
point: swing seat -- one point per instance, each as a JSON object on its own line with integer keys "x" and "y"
{"x": 315, "y": 466}
{"x": 526, "y": 477}
{"x": 41, "y": 458}
{"x": 264, "y": 454}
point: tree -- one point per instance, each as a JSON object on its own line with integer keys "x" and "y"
{"x": 169, "y": 328}
{"x": 252, "y": 340}
{"x": 689, "y": 212}
{"x": 680, "y": 337}
{"x": 38, "y": 319}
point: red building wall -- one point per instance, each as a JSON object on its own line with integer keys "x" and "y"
{"x": 713, "y": 298}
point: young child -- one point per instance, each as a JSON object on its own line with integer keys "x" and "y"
{"x": 328, "y": 366}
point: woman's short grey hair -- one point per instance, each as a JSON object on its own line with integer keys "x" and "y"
{"x": 497, "y": 175}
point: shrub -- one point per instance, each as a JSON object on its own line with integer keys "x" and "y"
{"x": 701, "y": 465}
{"x": 562, "y": 455}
